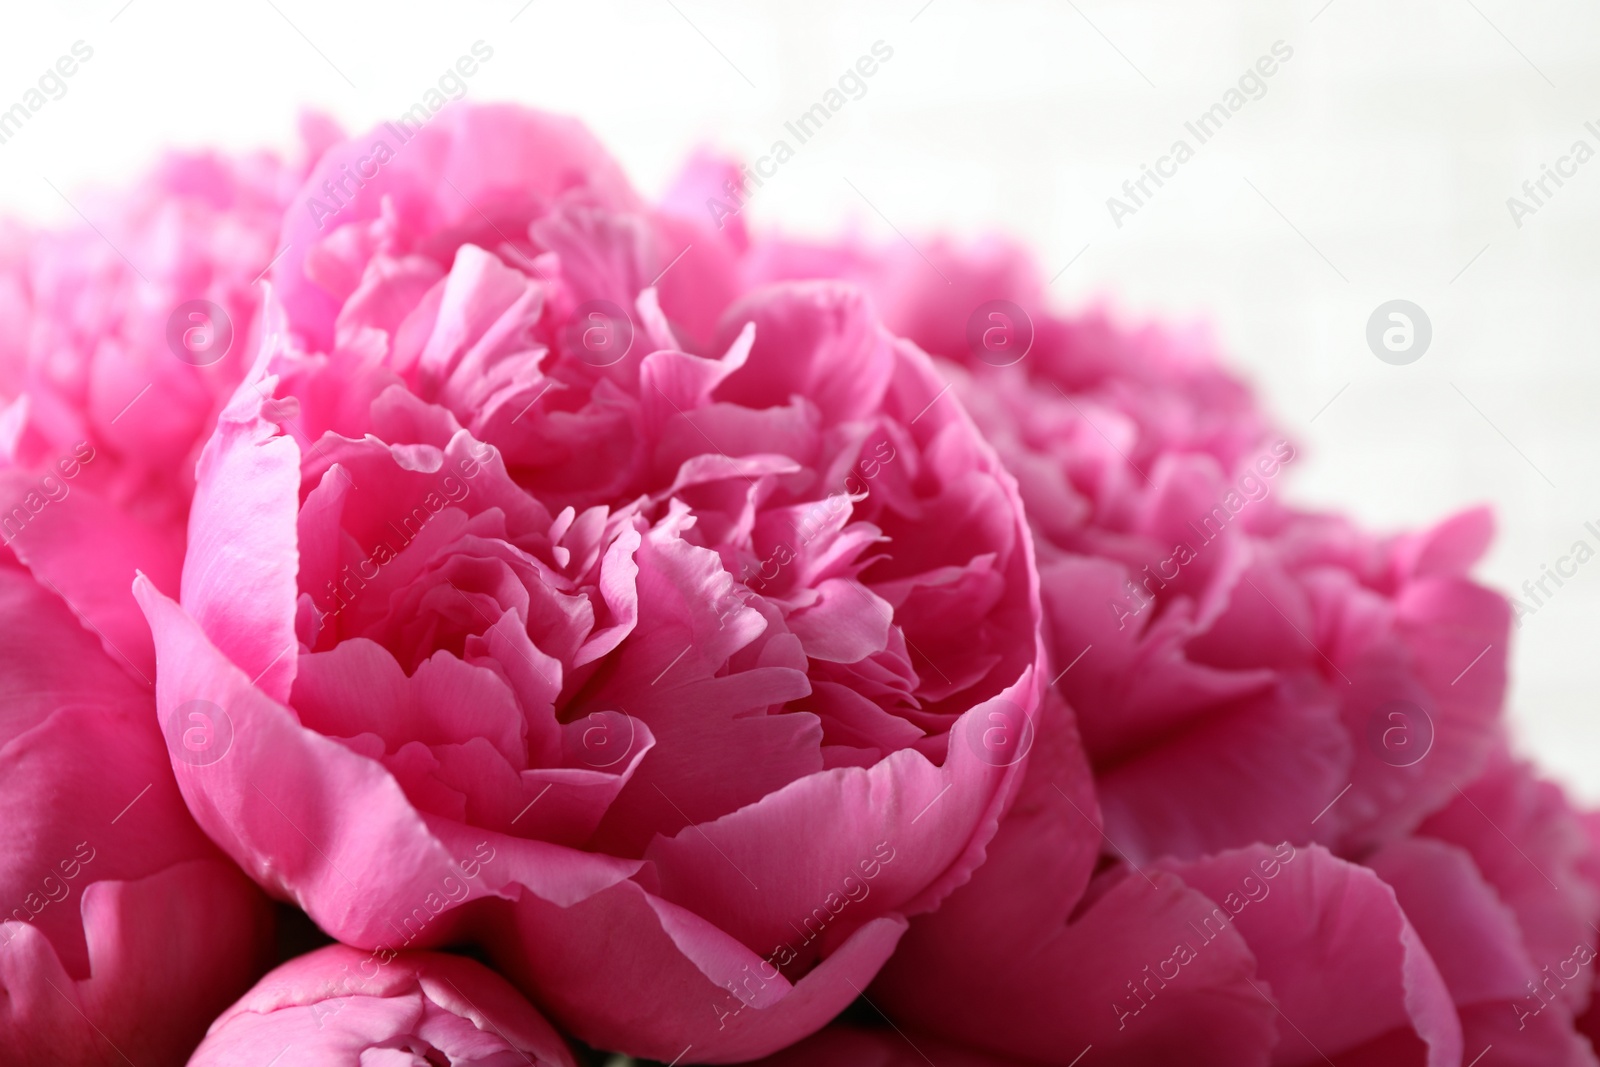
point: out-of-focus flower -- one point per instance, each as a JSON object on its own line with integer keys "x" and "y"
{"x": 1271, "y": 954}
{"x": 1241, "y": 672}
{"x": 123, "y": 338}
{"x": 1234, "y": 663}
{"x": 343, "y": 1007}
{"x": 1503, "y": 888}
{"x": 124, "y": 930}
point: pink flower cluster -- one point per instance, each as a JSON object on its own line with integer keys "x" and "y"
{"x": 601, "y": 630}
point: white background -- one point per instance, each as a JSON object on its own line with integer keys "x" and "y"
{"x": 1376, "y": 166}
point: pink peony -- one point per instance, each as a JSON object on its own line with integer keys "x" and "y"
{"x": 1241, "y": 672}
{"x": 124, "y": 336}
{"x": 1503, "y": 887}
{"x": 678, "y": 662}
{"x": 1270, "y": 954}
{"x": 341, "y": 1006}
{"x": 124, "y": 930}
{"x": 1235, "y": 664}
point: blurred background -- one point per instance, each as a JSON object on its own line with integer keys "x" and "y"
{"x": 1376, "y": 163}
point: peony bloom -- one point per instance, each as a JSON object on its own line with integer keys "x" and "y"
{"x": 124, "y": 930}
{"x": 341, "y": 1006}
{"x": 1270, "y": 954}
{"x": 679, "y": 662}
{"x": 1241, "y": 672}
{"x": 123, "y": 338}
{"x": 1504, "y": 890}
{"x": 1236, "y": 665}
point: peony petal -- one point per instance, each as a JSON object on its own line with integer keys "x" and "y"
{"x": 1495, "y": 984}
{"x": 239, "y": 575}
{"x": 1315, "y": 922}
{"x": 340, "y": 1005}
{"x": 87, "y": 551}
{"x": 687, "y": 984}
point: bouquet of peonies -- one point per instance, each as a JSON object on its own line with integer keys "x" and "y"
{"x": 602, "y": 630}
